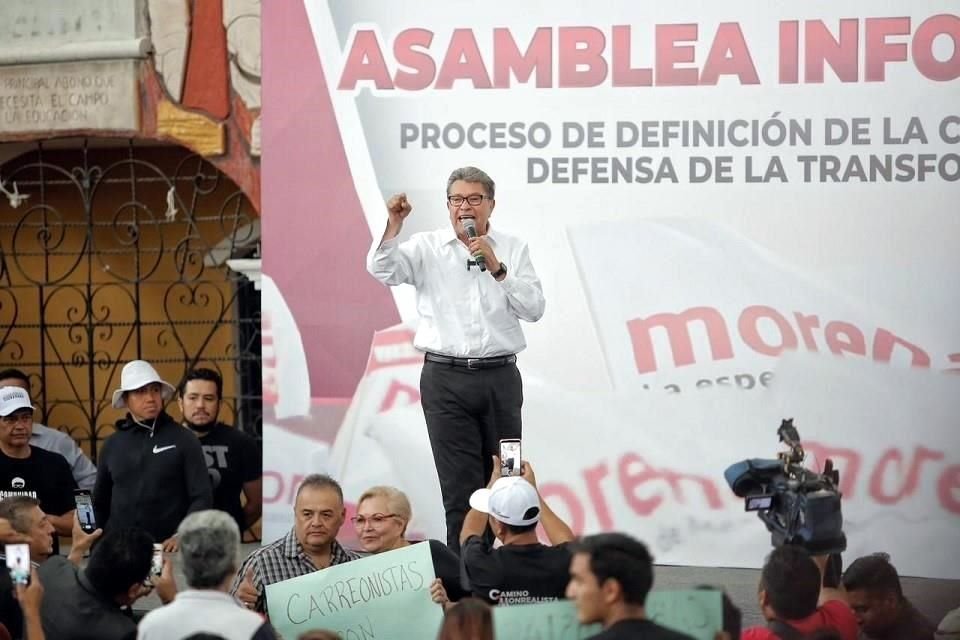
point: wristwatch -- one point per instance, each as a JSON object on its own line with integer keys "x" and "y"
{"x": 502, "y": 271}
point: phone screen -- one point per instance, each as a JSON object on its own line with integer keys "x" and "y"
{"x": 85, "y": 511}
{"x": 156, "y": 565}
{"x": 510, "y": 457}
{"x": 18, "y": 563}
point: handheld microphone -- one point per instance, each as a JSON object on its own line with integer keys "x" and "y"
{"x": 471, "y": 228}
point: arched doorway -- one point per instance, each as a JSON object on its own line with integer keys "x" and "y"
{"x": 105, "y": 257}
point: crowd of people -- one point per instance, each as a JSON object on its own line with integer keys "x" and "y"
{"x": 606, "y": 576}
{"x": 153, "y": 474}
{"x": 191, "y": 486}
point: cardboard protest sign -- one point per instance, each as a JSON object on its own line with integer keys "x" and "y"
{"x": 543, "y": 621}
{"x": 381, "y": 596}
{"x": 697, "y": 613}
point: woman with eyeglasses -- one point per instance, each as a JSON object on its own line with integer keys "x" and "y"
{"x": 383, "y": 514}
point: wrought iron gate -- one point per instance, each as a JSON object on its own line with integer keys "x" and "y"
{"x": 113, "y": 254}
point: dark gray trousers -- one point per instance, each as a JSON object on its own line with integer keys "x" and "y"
{"x": 467, "y": 412}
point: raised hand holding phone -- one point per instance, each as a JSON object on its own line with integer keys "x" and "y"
{"x": 82, "y": 541}
{"x": 30, "y": 597}
{"x": 526, "y": 472}
{"x": 164, "y": 582}
{"x": 495, "y": 474}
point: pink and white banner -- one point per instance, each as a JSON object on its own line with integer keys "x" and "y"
{"x": 737, "y": 215}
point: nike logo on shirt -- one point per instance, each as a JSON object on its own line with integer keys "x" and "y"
{"x": 157, "y": 449}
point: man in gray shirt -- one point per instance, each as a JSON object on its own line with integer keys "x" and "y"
{"x": 84, "y": 471}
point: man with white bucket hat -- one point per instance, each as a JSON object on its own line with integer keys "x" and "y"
{"x": 151, "y": 472}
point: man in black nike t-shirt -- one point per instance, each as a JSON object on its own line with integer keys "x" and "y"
{"x": 234, "y": 459}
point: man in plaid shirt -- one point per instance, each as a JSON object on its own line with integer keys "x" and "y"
{"x": 310, "y": 546}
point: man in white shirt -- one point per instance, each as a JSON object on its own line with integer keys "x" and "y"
{"x": 474, "y": 285}
{"x": 210, "y": 551}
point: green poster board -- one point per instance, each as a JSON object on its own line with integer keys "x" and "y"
{"x": 698, "y": 613}
{"x": 384, "y": 596}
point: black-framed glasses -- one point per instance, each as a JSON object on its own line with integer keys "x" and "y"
{"x": 474, "y": 200}
{"x": 376, "y": 519}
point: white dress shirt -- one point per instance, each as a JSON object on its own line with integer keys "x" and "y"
{"x": 202, "y": 611}
{"x": 463, "y": 313}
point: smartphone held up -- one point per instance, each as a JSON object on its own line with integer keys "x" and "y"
{"x": 84, "y": 504}
{"x": 18, "y": 563}
{"x": 156, "y": 564}
{"x": 510, "y": 457}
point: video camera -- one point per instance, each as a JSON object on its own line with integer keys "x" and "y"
{"x": 798, "y": 506}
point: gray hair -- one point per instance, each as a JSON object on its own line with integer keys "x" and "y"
{"x": 320, "y": 481}
{"x": 472, "y": 174}
{"x": 209, "y": 547}
{"x": 15, "y": 510}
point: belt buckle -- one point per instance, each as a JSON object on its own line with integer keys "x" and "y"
{"x": 474, "y": 363}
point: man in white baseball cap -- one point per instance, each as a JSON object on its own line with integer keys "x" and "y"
{"x": 44, "y": 437}
{"x": 29, "y": 471}
{"x": 151, "y": 472}
{"x": 521, "y": 570}
{"x": 16, "y": 401}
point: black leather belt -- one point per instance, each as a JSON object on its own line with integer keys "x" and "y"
{"x": 471, "y": 363}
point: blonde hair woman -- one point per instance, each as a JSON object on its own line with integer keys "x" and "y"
{"x": 383, "y": 515}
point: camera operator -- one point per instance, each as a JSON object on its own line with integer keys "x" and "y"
{"x": 791, "y": 588}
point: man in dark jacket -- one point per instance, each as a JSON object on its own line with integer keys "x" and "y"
{"x": 93, "y": 602}
{"x": 151, "y": 472}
